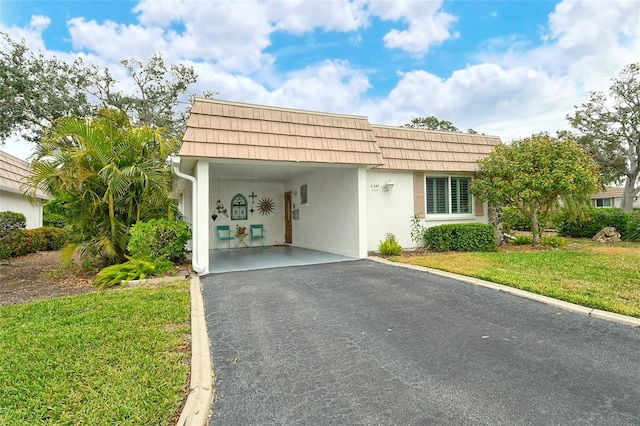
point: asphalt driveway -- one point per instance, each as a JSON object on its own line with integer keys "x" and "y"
{"x": 363, "y": 343}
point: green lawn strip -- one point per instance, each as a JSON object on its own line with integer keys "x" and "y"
{"x": 609, "y": 282}
{"x": 104, "y": 358}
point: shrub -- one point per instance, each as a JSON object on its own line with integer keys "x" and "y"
{"x": 553, "y": 241}
{"x": 522, "y": 240}
{"x": 390, "y": 246}
{"x": 417, "y": 231}
{"x": 61, "y": 210}
{"x": 134, "y": 269}
{"x": 55, "y": 238}
{"x": 461, "y": 237}
{"x": 25, "y": 241}
{"x": 6, "y": 249}
{"x": 594, "y": 222}
{"x": 159, "y": 238}
{"x": 633, "y": 226}
{"x": 512, "y": 219}
{"x": 10, "y": 221}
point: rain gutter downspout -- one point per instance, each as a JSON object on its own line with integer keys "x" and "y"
{"x": 175, "y": 161}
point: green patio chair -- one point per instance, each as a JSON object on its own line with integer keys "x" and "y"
{"x": 257, "y": 232}
{"x": 224, "y": 234}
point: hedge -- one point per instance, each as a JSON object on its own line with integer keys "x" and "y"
{"x": 597, "y": 219}
{"x": 25, "y": 241}
{"x": 460, "y": 237}
{"x": 10, "y": 221}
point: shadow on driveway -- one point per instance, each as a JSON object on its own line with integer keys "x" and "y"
{"x": 366, "y": 343}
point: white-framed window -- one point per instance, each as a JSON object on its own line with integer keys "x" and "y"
{"x": 303, "y": 195}
{"x": 603, "y": 202}
{"x": 448, "y": 195}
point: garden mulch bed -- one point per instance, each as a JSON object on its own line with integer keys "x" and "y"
{"x": 39, "y": 276}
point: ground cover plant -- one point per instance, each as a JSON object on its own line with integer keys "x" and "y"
{"x": 599, "y": 276}
{"x": 390, "y": 246}
{"x": 103, "y": 358}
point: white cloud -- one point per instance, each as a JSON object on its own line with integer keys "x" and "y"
{"x": 427, "y": 24}
{"x": 332, "y": 86}
{"x": 113, "y": 41}
{"x": 478, "y": 97}
{"x": 584, "y": 40}
{"x": 300, "y": 16}
{"x": 580, "y": 26}
{"x": 593, "y": 41}
{"x": 31, "y": 34}
{"x": 232, "y": 35}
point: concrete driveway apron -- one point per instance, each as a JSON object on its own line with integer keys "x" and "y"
{"x": 362, "y": 343}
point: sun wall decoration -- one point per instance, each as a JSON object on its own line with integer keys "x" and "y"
{"x": 266, "y": 206}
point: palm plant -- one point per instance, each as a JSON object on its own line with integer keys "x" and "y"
{"x": 116, "y": 174}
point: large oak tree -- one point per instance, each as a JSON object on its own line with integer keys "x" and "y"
{"x": 610, "y": 130}
{"x": 35, "y": 90}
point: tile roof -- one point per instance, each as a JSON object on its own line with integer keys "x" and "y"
{"x": 231, "y": 130}
{"x": 13, "y": 172}
{"x": 415, "y": 149}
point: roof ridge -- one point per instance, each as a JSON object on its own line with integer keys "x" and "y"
{"x": 274, "y": 108}
{"x": 13, "y": 157}
{"x": 388, "y": 126}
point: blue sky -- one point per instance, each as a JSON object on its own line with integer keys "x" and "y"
{"x": 509, "y": 68}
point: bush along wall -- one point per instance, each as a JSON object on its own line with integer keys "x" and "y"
{"x": 10, "y": 221}
{"x": 159, "y": 238}
{"x": 461, "y": 237}
{"x": 25, "y": 241}
{"x": 594, "y": 222}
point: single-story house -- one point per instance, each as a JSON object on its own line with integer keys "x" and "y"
{"x": 13, "y": 175}
{"x": 611, "y": 197}
{"x": 328, "y": 182}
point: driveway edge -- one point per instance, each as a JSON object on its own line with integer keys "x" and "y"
{"x": 196, "y": 409}
{"x": 595, "y": 313}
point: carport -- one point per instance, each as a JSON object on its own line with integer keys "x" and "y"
{"x": 300, "y": 175}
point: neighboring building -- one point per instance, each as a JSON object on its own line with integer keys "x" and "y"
{"x": 611, "y": 197}
{"x": 13, "y": 173}
{"x": 328, "y": 182}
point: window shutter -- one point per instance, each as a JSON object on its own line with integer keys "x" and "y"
{"x": 418, "y": 194}
{"x": 478, "y": 206}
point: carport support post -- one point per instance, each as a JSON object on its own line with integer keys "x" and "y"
{"x": 362, "y": 212}
{"x": 202, "y": 251}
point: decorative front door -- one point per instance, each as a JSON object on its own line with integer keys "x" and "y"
{"x": 288, "y": 228}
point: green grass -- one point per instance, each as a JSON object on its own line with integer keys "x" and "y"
{"x": 601, "y": 277}
{"x": 117, "y": 357}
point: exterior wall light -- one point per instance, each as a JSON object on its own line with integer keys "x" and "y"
{"x": 388, "y": 186}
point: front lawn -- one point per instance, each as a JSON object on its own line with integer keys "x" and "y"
{"x": 604, "y": 277}
{"x": 105, "y": 358}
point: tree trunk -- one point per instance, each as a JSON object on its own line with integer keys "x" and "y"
{"x": 535, "y": 229}
{"x": 629, "y": 193}
{"x": 495, "y": 218}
